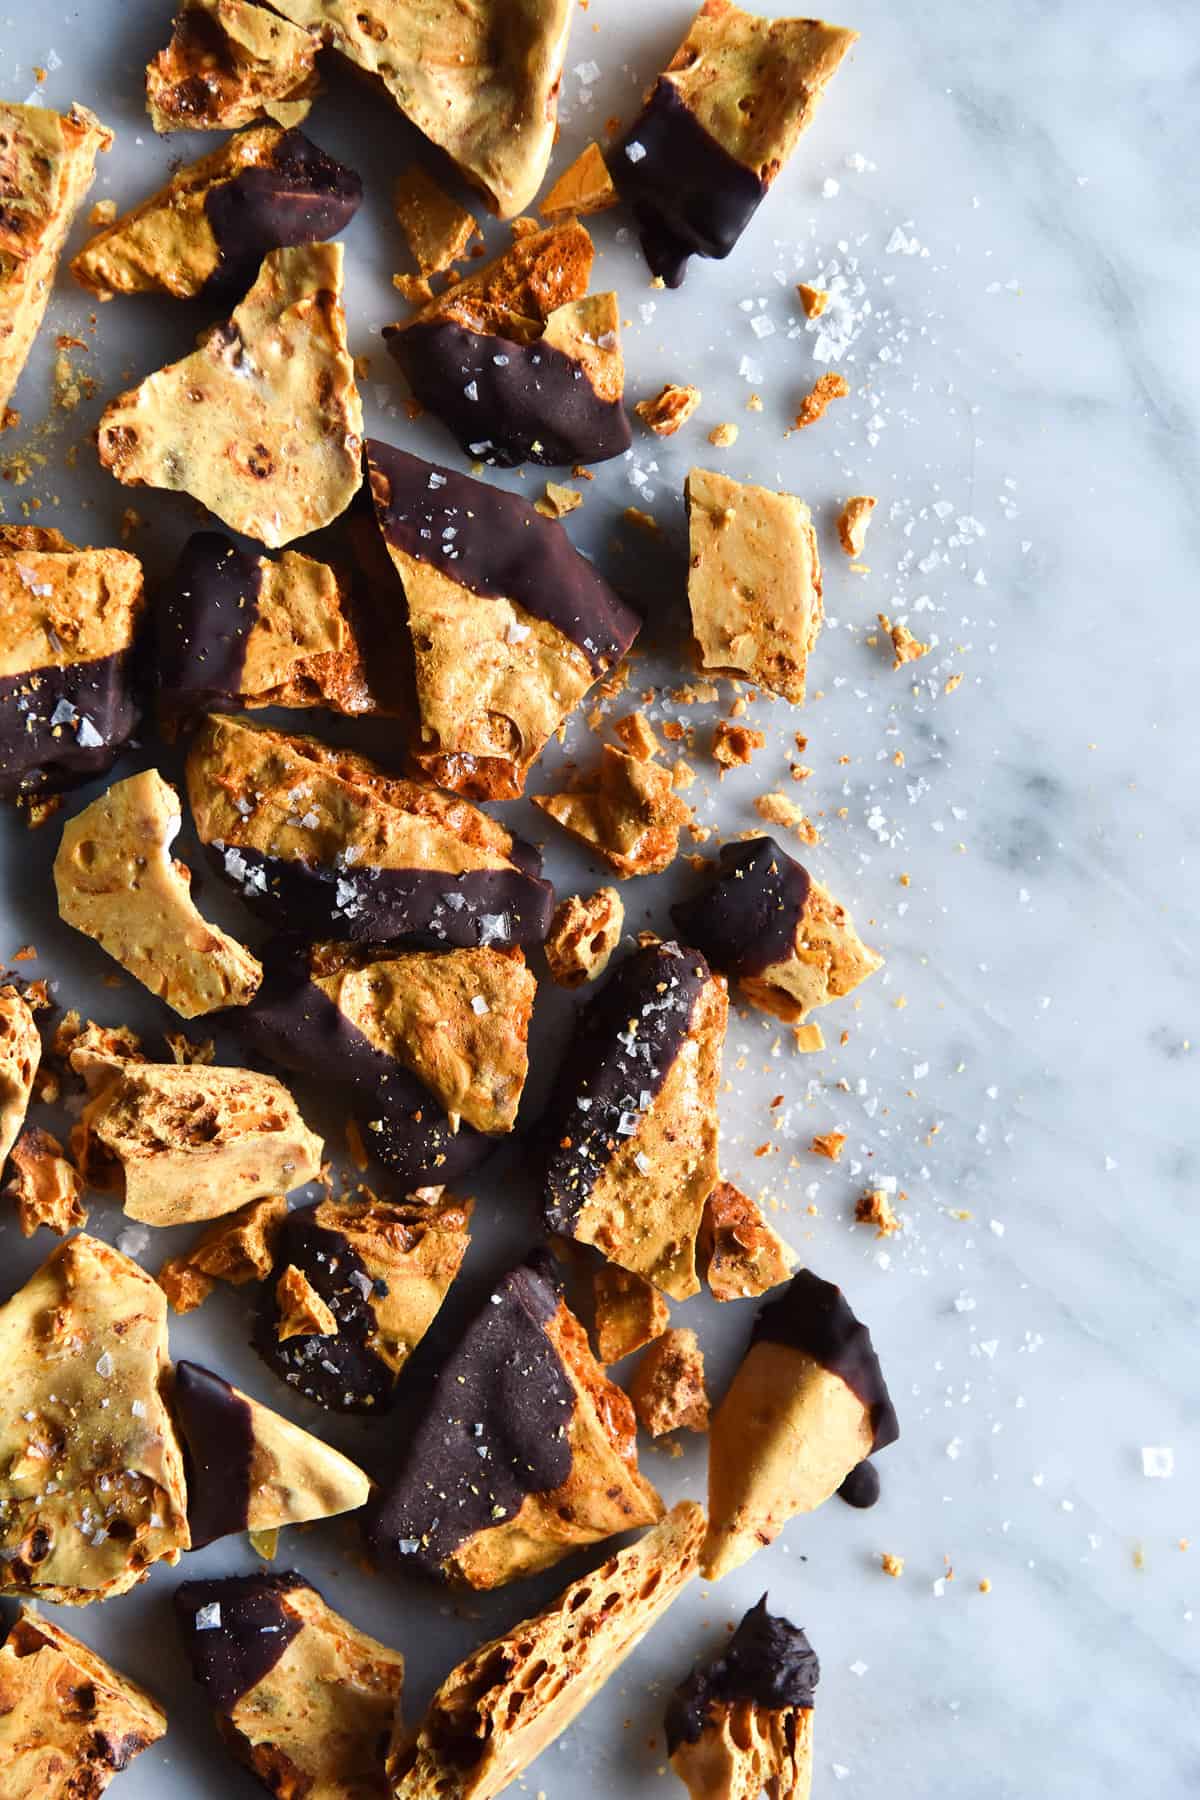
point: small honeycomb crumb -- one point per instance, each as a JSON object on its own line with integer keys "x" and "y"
{"x": 875, "y": 1208}
{"x": 809, "y": 1038}
{"x": 237, "y": 1248}
{"x": 905, "y": 647}
{"x": 954, "y": 682}
{"x": 985, "y": 1585}
{"x": 584, "y": 932}
{"x": 828, "y": 387}
{"x": 734, "y": 745}
{"x": 723, "y": 436}
{"x": 892, "y": 1565}
{"x": 754, "y": 403}
{"x": 853, "y": 520}
{"x": 102, "y": 213}
{"x": 558, "y": 501}
{"x": 682, "y": 776}
{"x": 829, "y": 1144}
{"x": 302, "y": 1312}
{"x": 629, "y": 1312}
{"x": 814, "y": 300}
{"x": 44, "y": 1184}
{"x": 669, "y": 409}
{"x": 415, "y": 289}
{"x": 777, "y": 809}
{"x": 667, "y": 1388}
{"x": 637, "y": 734}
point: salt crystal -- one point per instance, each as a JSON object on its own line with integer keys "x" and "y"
{"x": 479, "y": 1005}
{"x": 762, "y": 327}
{"x": 1158, "y": 1463}
{"x": 635, "y": 151}
{"x": 104, "y": 1366}
{"x": 208, "y": 1618}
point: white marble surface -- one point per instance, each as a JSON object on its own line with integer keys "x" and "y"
{"x": 1022, "y": 1069}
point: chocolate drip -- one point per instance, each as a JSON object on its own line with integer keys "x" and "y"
{"x": 689, "y": 196}
{"x": 812, "y": 1315}
{"x": 204, "y": 622}
{"x": 624, "y": 1043}
{"x": 527, "y": 402}
{"x": 233, "y": 1654}
{"x": 302, "y": 196}
{"x": 745, "y": 919}
{"x": 38, "y": 756}
{"x": 768, "y": 1662}
{"x": 861, "y": 1486}
{"x": 500, "y": 548}
{"x": 341, "y": 1372}
{"x": 421, "y": 907}
{"x": 495, "y": 1431}
{"x": 218, "y": 1448}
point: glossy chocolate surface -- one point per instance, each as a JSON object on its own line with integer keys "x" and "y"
{"x": 861, "y": 1486}
{"x": 768, "y": 1661}
{"x": 301, "y": 197}
{"x": 232, "y": 1652}
{"x": 745, "y": 917}
{"x": 89, "y": 700}
{"x": 812, "y": 1315}
{"x": 203, "y": 621}
{"x": 218, "y": 1447}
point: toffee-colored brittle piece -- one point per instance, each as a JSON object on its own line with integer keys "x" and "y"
{"x": 69, "y": 1721}
{"x": 853, "y": 521}
{"x": 382, "y": 1269}
{"x": 807, "y": 1405}
{"x": 584, "y": 187}
{"x": 302, "y": 1697}
{"x": 525, "y": 1451}
{"x": 742, "y": 1722}
{"x": 740, "y": 1255}
{"x": 20, "y": 1055}
{"x": 47, "y": 164}
{"x": 437, "y": 229}
{"x": 237, "y": 1248}
{"x": 627, "y": 811}
{"x": 629, "y": 1312}
{"x": 512, "y": 1697}
{"x": 262, "y": 423}
{"x": 91, "y": 1477}
{"x": 584, "y": 932}
{"x": 764, "y": 921}
{"x": 509, "y": 625}
{"x": 670, "y": 408}
{"x": 630, "y": 1130}
{"x": 117, "y": 882}
{"x": 184, "y": 1143}
{"x": 45, "y": 1187}
{"x": 718, "y": 126}
{"x": 667, "y": 1387}
{"x": 231, "y": 63}
{"x": 754, "y": 584}
{"x": 327, "y": 844}
{"x": 68, "y": 621}
{"x": 207, "y": 230}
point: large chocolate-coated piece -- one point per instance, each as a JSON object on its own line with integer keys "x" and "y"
{"x": 745, "y": 917}
{"x": 234, "y": 1647}
{"x": 812, "y": 1315}
{"x": 218, "y": 1446}
{"x": 64, "y": 724}
{"x": 301, "y": 197}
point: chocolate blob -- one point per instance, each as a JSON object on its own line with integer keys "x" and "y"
{"x": 861, "y": 1486}
{"x": 768, "y": 1661}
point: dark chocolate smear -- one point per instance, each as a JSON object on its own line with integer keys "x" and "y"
{"x": 302, "y": 196}
{"x": 340, "y": 1372}
{"x": 745, "y": 918}
{"x": 204, "y": 621}
{"x": 492, "y": 543}
{"x": 232, "y": 1650}
{"x": 812, "y": 1315}
{"x": 420, "y": 907}
{"x": 624, "y": 1043}
{"x": 296, "y": 1024}
{"x": 218, "y": 1450}
{"x": 494, "y": 1432}
{"x": 768, "y": 1661}
{"x": 63, "y": 724}
{"x": 861, "y": 1486}
{"x": 689, "y": 196}
{"x": 507, "y": 402}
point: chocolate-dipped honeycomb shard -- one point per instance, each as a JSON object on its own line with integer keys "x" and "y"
{"x": 262, "y": 423}
{"x": 481, "y": 81}
{"x": 742, "y": 1721}
{"x": 68, "y": 623}
{"x": 518, "y": 360}
{"x": 20, "y": 1054}
{"x": 47, "y": 163}
{"x": 764, "y": 921}
{"x": 807, "y": 1405}
{"x": 433, "y": 1044}
{"x": 326, "y": 844}
{"x": 627, "y": 811}
{"x": 235, "y": 629}
{"x": 512, "y": 1697}
{"x": 231, "y": 63}
{"x": 525, "y": 1451}
{"x": 382, "y": 1269}
{"x": 69, "y": 1721}
{"x": 92, "y": 1486}
{"x": 117, "y": 882}
{"x": 182, "y": 1143}
{"x": 207, "y": 231}
{"x": 754, "y": 582}
{"x": 740, "y": 1255}
{"x": 302, "y": 1697}
{"x": 718, "y": 126}
{"x": 631, "y": 1126}
{"x": 247, "y": 1468}
{"x": 510, "y": 625}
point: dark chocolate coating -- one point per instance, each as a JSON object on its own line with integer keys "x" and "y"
{"x": 230, "y": 1659}
{"x": 294, "y": 1023}
{"x": 203, "y": 621}
{"x": 501, "y": 548}
{"x": 768, "y": 1661}
{"x": 812, "y": 1315}
{"x": 745, "y": 918}
{"x": 689, "y": 196}
{"x": 342, "y": 1372}
{"x": 495, "y": 1430}
{"x": 218, "y": 1449}
{"x": 861, "y": 1486}
{"x": 617, "y": 1073}
{"x": 39, "y": 758}
{"x": 532, "y": 402}
{"x": 302, "y": 197}
{"x": 419, "y": 907}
